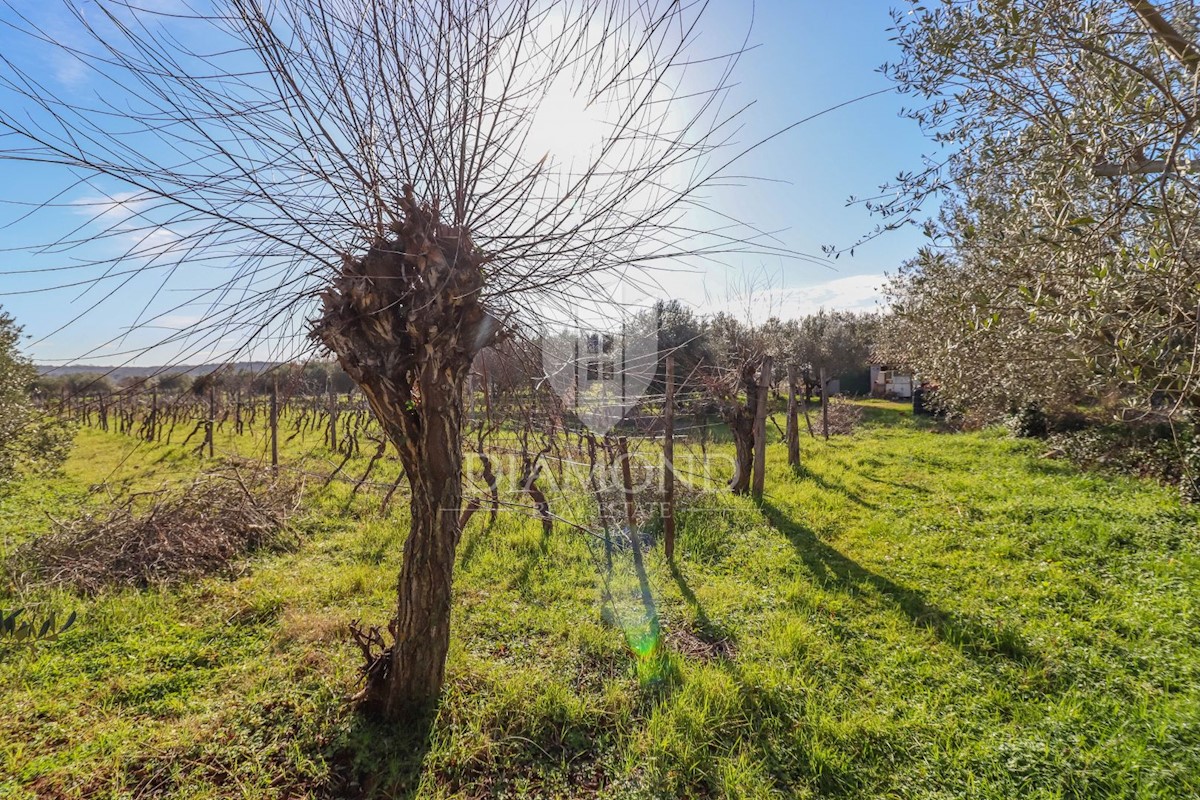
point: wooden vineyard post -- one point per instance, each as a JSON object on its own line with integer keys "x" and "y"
{"x": 804, "y": 408}
{"x": 760, "y": 430}
{"x": 275, "y": 422}
{"x": 824, "y": 404}
{"x": 623, "y": 366}
{"x": 333, "y": 419}
{"x": 793, "y": 421}
{"x": 669, "y": 461}
{"x": 627, "y": 479}
{"x": 153, "y": 415}
{"x": 575, "y": 377}
{"x": 601, "y": 506}
{"x": 211, "y": 427}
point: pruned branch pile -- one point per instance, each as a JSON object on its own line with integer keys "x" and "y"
{"x": 176, "y": 536}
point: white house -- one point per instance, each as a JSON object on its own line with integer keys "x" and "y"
{"x": 891, "y": 383}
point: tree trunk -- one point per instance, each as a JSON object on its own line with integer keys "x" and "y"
{"x": 405, "y": 322}
{"x": 531, "y": 470}
{"x": 740, "y": 417}
{"x": 742, "y": 428}
{"x": 432, "y": 459}
{"x": 807, "y": 418}
{"x": 824, "y": 404}
{"x": 429, "y": 440}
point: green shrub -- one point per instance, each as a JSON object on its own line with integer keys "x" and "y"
{"x": 1029, "y": 422}
{"x": 1189, "y": 479}
{"x": 1144, "y": 450}
{"x": 30, "y": 441}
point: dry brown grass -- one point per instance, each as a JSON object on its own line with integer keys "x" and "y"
{"x": 311, "y": 627}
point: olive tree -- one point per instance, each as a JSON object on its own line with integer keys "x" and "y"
{"x": 839, "y": 342}
{"x": 1064, "y": 258}
{"x": 30, "y": 442}
{"x": 732, "y": 377}
{"x": 389, "y": 170}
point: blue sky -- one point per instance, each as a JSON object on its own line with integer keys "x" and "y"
{"x": 812, "y": 56}
{"x": 807, "y": 57}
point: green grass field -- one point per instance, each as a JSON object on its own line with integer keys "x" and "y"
{"x": 915, "y": 614}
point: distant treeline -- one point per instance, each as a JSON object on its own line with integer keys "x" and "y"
{"x": 838, "y": 342}
{"x": 312, "y": 377}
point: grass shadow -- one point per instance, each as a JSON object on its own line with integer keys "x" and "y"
{"x": 804, "y": 473}
{"x": 634, "y": 612}
{"x": 833, "y": 568}
{"x": 704, "y": 624}
{"x": 375, "y": 759}
{"x": 656, "y": 671}
{"x": 522, "y": 578}
{"x": 688, "y": 595}
{"x": 768, "y": 706}
{"x": 468, "y": 546}
{"x": 907, "y": 487}
{"x": 884, "y": 415}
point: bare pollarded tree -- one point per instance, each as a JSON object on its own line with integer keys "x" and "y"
{"x": 400, "y": 173}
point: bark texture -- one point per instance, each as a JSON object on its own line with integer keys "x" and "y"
{"x": 740, "y": 415}
{"x": 741, "y": 425}
{"x": 405, "y": 321}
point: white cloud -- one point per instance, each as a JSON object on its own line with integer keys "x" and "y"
{"x": 129, "y": 214}
{"x": 178, "y": 322}
{"x": 757, "y": 304}
{"x": 851, "y": 293}
{"x": 157, "y": 243}
{"x": 69, "y": 70}
{"x": 111, "y": 209}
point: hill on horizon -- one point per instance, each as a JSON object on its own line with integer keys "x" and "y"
{"x": 119, "y": 372}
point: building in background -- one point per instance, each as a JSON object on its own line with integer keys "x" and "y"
{"x": 893, "y": 384}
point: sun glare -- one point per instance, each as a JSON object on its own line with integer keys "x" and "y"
{"x": 565, "y": 128}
